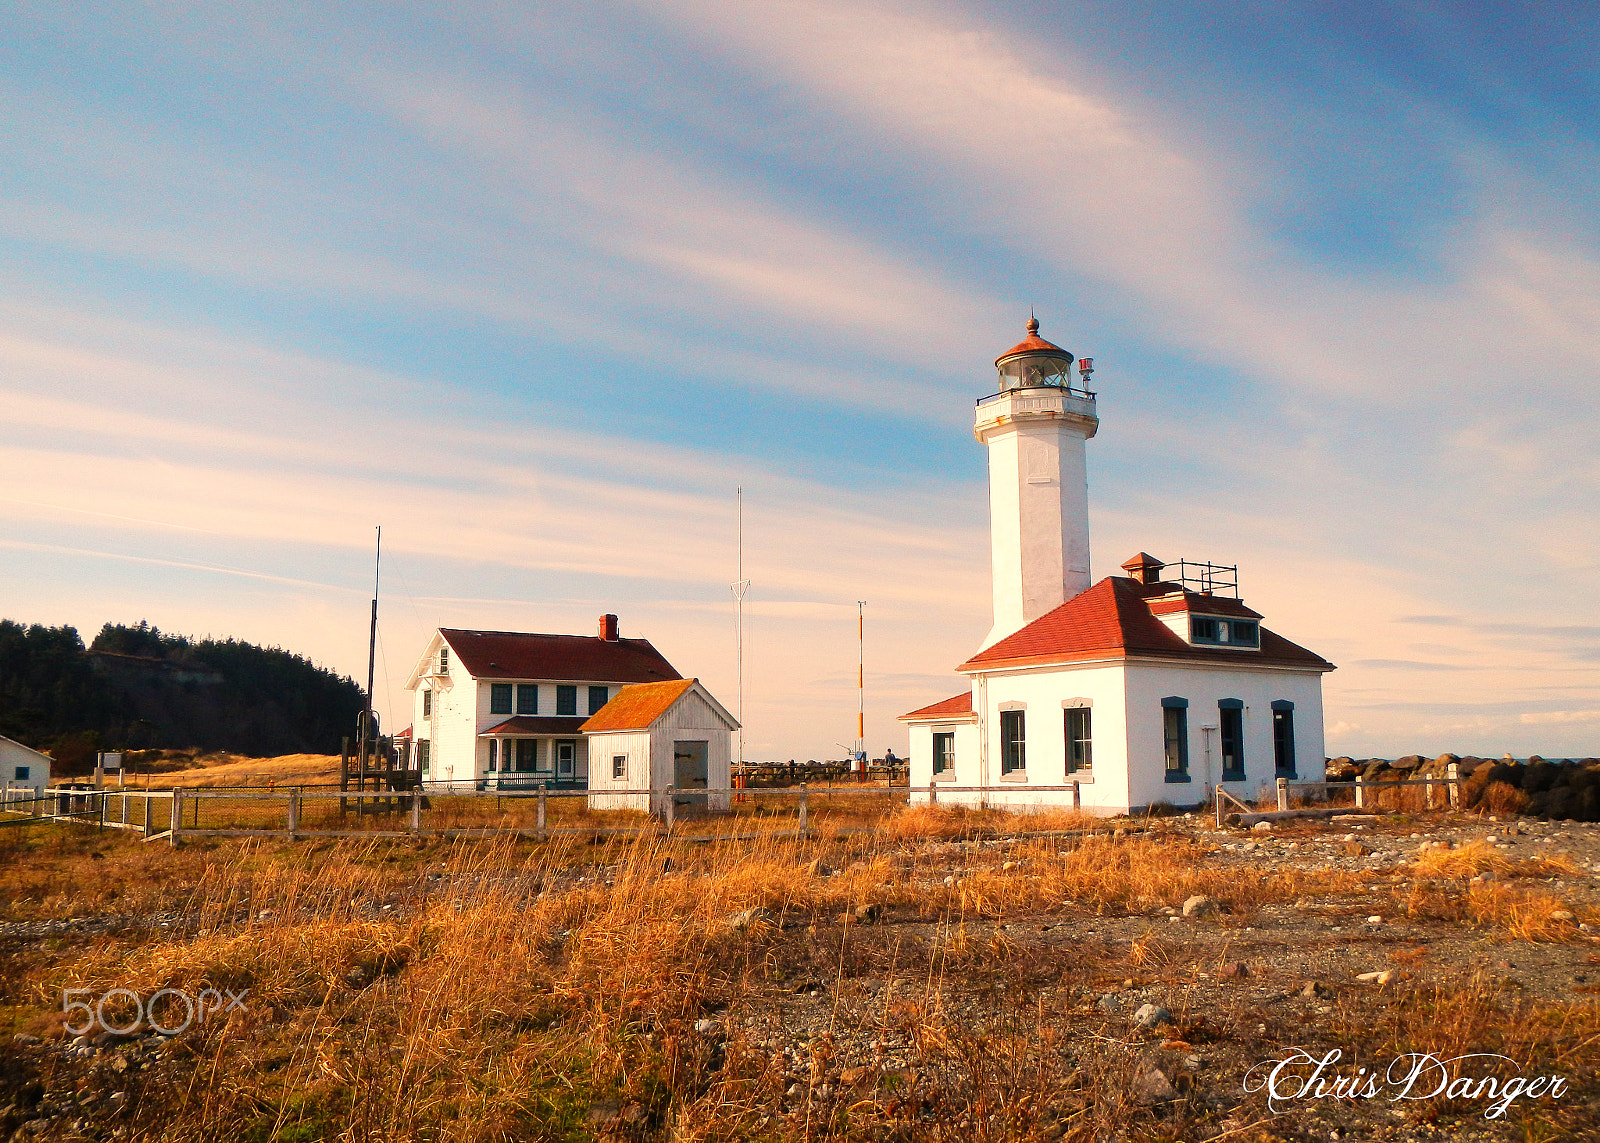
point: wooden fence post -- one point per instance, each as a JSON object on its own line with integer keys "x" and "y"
{"x": 1077, "y": 796}
{"x": 416, "y": 810}
{"x": 102, "y": 797}
{"x": 294, "y": 812}
{"x": 933, "y": 792}
{"x": 667, "y": 808}
{"x": 177, "y": 816}
{"x": 1427, "y": 791}
{"x": 1283, "y": 794}
{"x": 1361, "y": 792}
{"x": 542, "y": 833}
{"x": 805, "y": 817}
{"x": 146, "y": 830}
{"x": 1454, "y": 780}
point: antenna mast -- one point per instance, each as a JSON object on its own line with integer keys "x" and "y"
{"x": 861, "y": 683}
{"x": 739, "y": 587}
{"x": 367, "y": 734}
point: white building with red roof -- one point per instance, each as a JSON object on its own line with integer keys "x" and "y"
{"x": 505, "y": 709}
{"x": 1141, "y": 688}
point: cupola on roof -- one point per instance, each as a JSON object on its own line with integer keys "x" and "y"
{"x": 1033, "y": 361}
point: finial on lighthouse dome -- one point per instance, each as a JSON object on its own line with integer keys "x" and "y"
{"x": 1034, "y": 362}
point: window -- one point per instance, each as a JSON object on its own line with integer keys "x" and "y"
{"x": 1224, "y": 632}
{"x": 427, "y": 704}
{"x": 527, "y": 753}
{"x": 1080, "y": 746}
{"x": 1230, "y": 732}
{"x": 500, "y": 698}
{"x": 566, "y": 700}
{"x": 944, "y": 751}
{"x": 1013, "y": 741}
{"x": 619, "y": 766}
{"x": 1283, "y": 738}
{"x": 494, "y": 754}
{"x": 1175, "y": 737}
{"x": 444, "y": 660}
{"x": 597, "y": 698}
{"x": 566, "y": 759}
{"x": 22, "y": 774}
{"x": 422, "y": 753}
{"x": 527, "y": 698}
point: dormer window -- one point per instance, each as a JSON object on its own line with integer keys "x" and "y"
{"x": 1217, "y": 632}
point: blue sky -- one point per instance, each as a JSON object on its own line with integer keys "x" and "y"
{"x": 537, "y": 288}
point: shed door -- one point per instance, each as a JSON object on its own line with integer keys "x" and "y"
{"x": 690, "y": 765}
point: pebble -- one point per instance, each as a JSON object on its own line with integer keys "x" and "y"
{"x": 1152, "y": 1016}
{"x": 1153, "y": 1086}
{"x": 748, "y": 919}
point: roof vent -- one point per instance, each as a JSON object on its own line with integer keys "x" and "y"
{"x": 1144, "y": 568}
{"x": 608, "y": 629}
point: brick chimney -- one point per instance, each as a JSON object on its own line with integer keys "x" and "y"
{"x": 1143, "y": 568}
{"x": 608, "y": 628}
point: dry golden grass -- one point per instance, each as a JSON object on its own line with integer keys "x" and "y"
{"x": 237, "y": 770}
{"x": 499, "y": 997}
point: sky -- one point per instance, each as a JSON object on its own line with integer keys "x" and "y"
{"x": 538, "y": 287}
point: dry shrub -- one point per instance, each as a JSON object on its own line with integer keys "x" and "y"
{"x": 1468, "y": 861}
{"x": 1480, "y": 857}
{"x": 1502, "y": 799}
{"x": 908, "y": 823}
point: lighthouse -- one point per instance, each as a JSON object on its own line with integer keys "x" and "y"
{"x": 1035, "y": 429}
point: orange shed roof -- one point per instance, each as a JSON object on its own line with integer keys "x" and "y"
{"x": 636, "y": 707}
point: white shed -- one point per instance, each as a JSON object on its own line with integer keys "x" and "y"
{"x": 655, "y": 734}
{"x": 23, "y": 768}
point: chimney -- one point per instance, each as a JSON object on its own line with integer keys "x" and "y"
{"x": 1144, "y": 568}
{"x": 608, "y": 628}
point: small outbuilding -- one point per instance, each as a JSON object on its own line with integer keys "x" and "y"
{"x": 23, "y": 768}
{"x": 652, "y": 735}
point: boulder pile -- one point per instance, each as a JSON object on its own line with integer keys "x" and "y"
{"x": 1566, "y": 789}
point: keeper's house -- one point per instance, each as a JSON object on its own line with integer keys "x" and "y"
{"x": 505, "y": 709}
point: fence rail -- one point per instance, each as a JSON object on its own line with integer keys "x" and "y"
{"x": 1363, "y": 792}
{"x": 294, "y": 812}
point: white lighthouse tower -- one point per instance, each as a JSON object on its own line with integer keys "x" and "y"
{"x": 1035, "y": 429}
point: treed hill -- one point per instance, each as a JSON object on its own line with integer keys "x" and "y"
{"x": 136, "y": 688}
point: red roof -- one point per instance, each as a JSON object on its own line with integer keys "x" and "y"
{"x": 956, "y": 706}
{"x": 1112, "y": 620}
{"x": 579, "y": 658}
{"x": 535, "y": 724}
{"x": 636, "y": 707}
{"x": 1033, "y": 343}
{"x": 1179, "y": 600}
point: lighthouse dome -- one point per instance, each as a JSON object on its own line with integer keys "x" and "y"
{"x": 1034, "y": 362}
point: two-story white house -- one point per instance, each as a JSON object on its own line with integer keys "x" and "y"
{"x": 503, "y": 709}
{"x": 1141, "y": 688}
